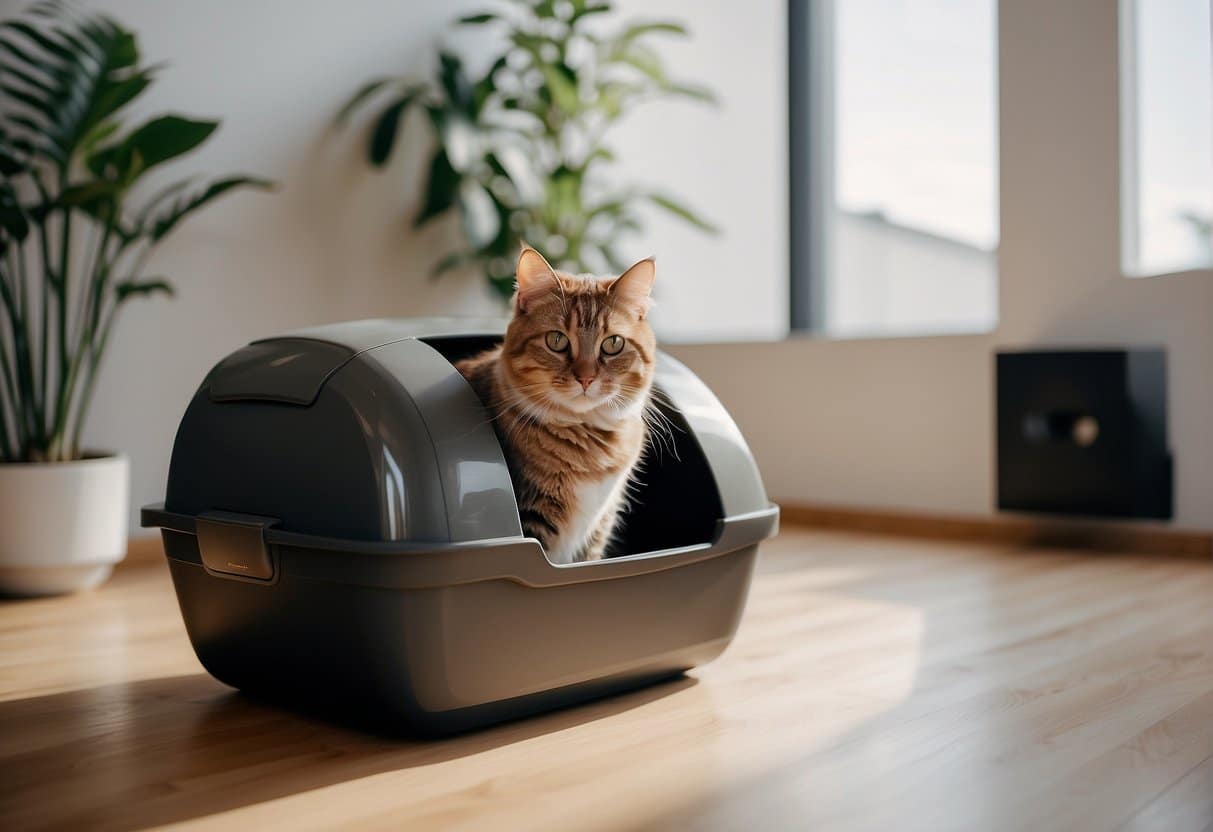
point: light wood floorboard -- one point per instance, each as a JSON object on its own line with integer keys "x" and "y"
{"x": 876, "y": 683}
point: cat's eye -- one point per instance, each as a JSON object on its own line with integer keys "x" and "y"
{"x": 613, "y": 344}
{"x": 557, "y": 341}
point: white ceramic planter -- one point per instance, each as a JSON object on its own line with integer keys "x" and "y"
{"x": 63, "y": 525}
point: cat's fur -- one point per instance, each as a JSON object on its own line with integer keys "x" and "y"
{"x": 571, "y": 422}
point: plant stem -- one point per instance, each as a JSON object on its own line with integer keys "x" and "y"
{"x": 99, "y": 276}
{"x": 85, "y": 347}
{"x": 94, "y": 366}
{"x": 18, "y": 380}
{"x": 6, "y": 446}
{"x": 48, "y": 285}
{"x": 6, "y": 394}
{"x": 6, "y": 449}
{"x": 45, "y": 333}
{"x": 64, "y": 271}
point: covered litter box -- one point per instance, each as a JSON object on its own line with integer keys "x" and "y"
{"x": 342, "y": 531}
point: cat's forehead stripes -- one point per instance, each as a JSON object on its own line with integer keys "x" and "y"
{"x": 585, "y": 308}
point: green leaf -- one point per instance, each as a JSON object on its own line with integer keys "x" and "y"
{"x": 43, "y": 40}
{"x": 112, "y": 96}
{"x": 603, "y": 153}
{"x": 98, "y": 199}
{"x": 383, "y": 137}
{"x": 679, "y": 210}
{"x": 563, "y": 86}
{"x": 185, "y": 206}
{"x": 453, "y": 261}
{"x": 586, "y": 11}
{"x": 614, "y": 95}
{"x": 440, "y": 189}
{"x": 153, "y": 143}
{"x": 610, "y": 208}
{"x": 151, "y": 205}
{"x": 475, "y": 19}
{"x": 365, "y": 92}
{"x": 503, "y": 285}
{"x": 87, "y": 193}
{"x": 521, "y": 169}
{"x": 12, "y": 217}
{"x": 638, "y": 29}
{"x": 75, "y": 68}
{"x": 12, "y": 162}
{"x": 143, "y": 288}
{"x": 487, "y": 85}
{"x": 122, "y": 52}
{"x": 453, "y": 81}
{"x": 646, "y": 61}
{"x": 693, "y": 91}
{"x": 33, "y": 80}
{"x": 480, "y": 219}
{"x": 99, "y": 134}
{"x": 29, "y": 99}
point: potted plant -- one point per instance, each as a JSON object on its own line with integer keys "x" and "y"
{"x": 521, "y": 150}
{"x": 73, "y": 247}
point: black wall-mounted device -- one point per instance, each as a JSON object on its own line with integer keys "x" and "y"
{"x": 1084, "y": 432}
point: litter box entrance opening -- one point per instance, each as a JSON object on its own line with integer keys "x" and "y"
{"x": 676, "y": 502}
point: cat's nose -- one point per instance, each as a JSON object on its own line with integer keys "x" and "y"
{"x": 585, "y": 382}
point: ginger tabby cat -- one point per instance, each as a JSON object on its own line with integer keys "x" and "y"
{"x": 569, "y": 391}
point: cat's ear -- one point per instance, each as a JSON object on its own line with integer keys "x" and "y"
{"x": 634, "y": 287}
{"x": 536, "y": 278}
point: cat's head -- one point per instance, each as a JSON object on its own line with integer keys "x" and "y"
{"x": 580, "y": 344}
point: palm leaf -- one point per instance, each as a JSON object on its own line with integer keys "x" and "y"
{"x": 365, "y": 92}
{"x": 453, "y": 261}
{"x": 150, "y": 207}
{"x": 154, "y": 142}
{"x": 383, "y": 137}
{"x": 187, "y": 205}
{"x": 440, "y": 190}
{"x": 13, "y": 220}
{"x": 692, "y": 91}
{"x": 64, "y": 78}
{"x": 454, "y": 82}
{"x": 143, "y": 288}
{"x": 474, "y": 19}
{"x": 636, "y": 30}
{"x": 481, "y": 220}
{"x": 672, "y": 206}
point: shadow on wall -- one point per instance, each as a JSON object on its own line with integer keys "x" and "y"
{"x": 168, "y": 750}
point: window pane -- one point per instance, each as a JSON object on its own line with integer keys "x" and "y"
{"x": 1168, "y": 110}
{"x": 914, "y": 217}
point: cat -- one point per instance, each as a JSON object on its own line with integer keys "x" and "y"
{"x": 568, "y": 390}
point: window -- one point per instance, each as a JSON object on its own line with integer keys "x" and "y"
{"x": 1167, "y": 136}
{"x": 894, "y": 166}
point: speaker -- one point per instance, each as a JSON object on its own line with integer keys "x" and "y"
{"x": 1084, "y": 432}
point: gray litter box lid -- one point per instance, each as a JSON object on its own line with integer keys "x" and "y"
{"x": 366, "y": 431}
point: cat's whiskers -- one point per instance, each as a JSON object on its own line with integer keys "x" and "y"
{"x": 659, "y": 425}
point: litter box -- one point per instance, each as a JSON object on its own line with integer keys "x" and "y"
{"x": 341, "y": 531}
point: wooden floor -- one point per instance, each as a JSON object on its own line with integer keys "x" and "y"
{"x": 876, "y": 683}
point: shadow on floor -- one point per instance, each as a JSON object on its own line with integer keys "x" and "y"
{"x": 157, "y": 751}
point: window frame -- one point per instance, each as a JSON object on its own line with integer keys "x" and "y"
{"x": 811, "y": 185}
{"x": 1129, "y": 97}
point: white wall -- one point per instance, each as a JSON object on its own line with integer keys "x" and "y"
{"x": 904, "y": 423}
{"x": 335, "y": 241}
{"x": 908, "y": 423}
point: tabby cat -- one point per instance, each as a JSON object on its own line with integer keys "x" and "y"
{"x": 569, "y": 391}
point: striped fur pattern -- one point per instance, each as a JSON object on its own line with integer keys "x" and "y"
{"x": 569, "y": 401}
